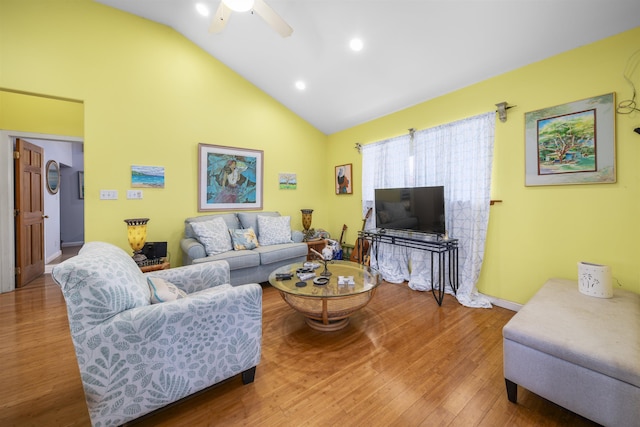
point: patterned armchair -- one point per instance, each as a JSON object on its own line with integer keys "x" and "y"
{"x": 135, "y": 356}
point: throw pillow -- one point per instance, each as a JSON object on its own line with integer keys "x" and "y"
{"x": 163, "y": 291}
{"x": 244, "y": 238}
{"x": 214, "y": 235}
{"x": 274, "y": 230}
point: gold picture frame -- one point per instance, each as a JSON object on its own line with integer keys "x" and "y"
{"x": 343, "y": 179}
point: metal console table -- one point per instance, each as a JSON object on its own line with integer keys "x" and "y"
{"x": 443, "y": 252}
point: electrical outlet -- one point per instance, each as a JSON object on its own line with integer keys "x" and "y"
{"x": 134, "y": 194}
{"x": 108, "y": 194}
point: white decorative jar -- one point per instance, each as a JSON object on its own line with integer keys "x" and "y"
{"x": 595, "y": 280}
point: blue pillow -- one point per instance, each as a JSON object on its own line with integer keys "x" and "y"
{"x": 244, "y": 238}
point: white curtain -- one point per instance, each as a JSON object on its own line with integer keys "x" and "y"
{"x": 457, "y": 156}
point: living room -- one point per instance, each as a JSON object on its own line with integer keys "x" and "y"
{"x": 145, "y": 95}
{"x": 106, "y": 89}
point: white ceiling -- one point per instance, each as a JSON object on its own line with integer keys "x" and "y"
{"x": 414, "y": 50}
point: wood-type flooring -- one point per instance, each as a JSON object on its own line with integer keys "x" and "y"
{"x": 402, "y": 361}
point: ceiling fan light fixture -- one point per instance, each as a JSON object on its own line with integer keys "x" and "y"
{"x": 239, "y": 5}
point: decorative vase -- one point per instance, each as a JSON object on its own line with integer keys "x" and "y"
{"x": 306, "y": 219}
{"x": 137, "y": 235}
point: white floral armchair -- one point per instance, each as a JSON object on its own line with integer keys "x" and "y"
{"x": 134, "y": 356}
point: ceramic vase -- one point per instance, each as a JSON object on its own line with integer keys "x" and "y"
{"x": 306, "y": 219}
{"x": 137, "y": 235}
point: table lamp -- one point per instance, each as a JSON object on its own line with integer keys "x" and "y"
{"x": 137, "y": 235}
{"x": 306, "y": 222}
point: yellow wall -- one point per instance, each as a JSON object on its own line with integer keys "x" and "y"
{"x": 32, "y": 113}
{"x": 537, "y": 232}
{"x": 150, "y": 96}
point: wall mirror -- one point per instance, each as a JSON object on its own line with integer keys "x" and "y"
{"x": 53, "y": 176}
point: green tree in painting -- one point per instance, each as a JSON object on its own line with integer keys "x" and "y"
{"x": 558, "y": 136}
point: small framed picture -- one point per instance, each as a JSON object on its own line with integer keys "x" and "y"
{"x": 81, "y": 184}
{"x": 343, "y": 179}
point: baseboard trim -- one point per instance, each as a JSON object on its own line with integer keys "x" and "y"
{"x": 55, "y": 255}
{"x": 509, "y": 305}
{"x": 68, "y": 244}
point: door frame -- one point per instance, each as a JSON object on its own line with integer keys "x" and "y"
{"x": 7, "y": 232}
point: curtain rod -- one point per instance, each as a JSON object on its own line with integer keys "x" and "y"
{"x": 412, "y": 131}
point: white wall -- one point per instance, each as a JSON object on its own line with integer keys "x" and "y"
{"x": 71, "y": 205}
{"x": 60, "y": 152}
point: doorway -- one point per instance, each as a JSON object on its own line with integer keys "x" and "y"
{"x": 69, "y": 179}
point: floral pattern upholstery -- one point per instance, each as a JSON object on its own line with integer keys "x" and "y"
{"x": 214, "y": 235}
{"x": 274, "y": 230}
{"x": 244, "y": 239}
{"x": 135, "y": 357}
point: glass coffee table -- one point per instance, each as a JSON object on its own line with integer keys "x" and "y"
{"x": 327, "y": 306}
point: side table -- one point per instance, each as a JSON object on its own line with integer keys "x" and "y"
{"x": 318, "y": 245}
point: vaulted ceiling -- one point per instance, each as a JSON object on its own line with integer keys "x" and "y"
{"x": 413, "y": 50}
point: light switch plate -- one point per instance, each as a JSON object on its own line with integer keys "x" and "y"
{"x": 134, "y": 194}
{"x": 108, "y": 194}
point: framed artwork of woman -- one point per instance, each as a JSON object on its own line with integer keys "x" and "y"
{"x": 229, "y": 178}
{"x": 343, "y": 179}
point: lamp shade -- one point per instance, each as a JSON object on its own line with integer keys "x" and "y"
{"x": 595, "y": 280}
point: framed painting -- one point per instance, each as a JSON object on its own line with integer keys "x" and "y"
{"x": 288, "y": 181}
{"x": 81, "y": 184}
{"x": 229, "y": 178}
{"x": 147, "y": 176}
{"x": 571, "y": 143}
{"x": 343, "y": 179}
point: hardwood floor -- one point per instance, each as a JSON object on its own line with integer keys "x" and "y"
{"x": 402, "y": 361}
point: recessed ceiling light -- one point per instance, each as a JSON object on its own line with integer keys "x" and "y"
{"x": 300, "y": 85}
{"x": 356, "y": 44}
{"x": 202, "y": 9}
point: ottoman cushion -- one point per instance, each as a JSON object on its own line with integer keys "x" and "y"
{"x": 587, "y": 331}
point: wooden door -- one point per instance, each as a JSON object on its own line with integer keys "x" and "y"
{"x": 29, "y": 211}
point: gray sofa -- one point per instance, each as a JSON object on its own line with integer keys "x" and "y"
{"x": 246, "y": 266}
{"x": 578, "y": 351}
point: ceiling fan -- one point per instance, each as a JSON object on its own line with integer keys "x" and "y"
{"x": 258, "y": 6}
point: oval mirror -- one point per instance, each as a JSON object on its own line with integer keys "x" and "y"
{"x": 53, "y": 176}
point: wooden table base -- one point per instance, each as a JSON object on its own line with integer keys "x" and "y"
{"x": 334, "y": 325}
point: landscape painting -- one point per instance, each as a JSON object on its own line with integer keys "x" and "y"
{"x": 288, "y": 181}
{"x": 572, "y": 143}
{"x": 147, "y": 176}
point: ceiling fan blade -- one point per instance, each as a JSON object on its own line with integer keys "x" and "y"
{"x": 272, "y": 18}
{"x": 223, "y": 13}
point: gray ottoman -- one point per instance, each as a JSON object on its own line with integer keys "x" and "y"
{"x": 580, "y": 352}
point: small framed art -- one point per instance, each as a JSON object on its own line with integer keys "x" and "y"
{"x": 288, "y": 181}
{"x": 343, "y": 179}
{"x": 81, "y": 184}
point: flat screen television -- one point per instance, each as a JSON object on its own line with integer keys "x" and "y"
{"x": 416, "y": 208}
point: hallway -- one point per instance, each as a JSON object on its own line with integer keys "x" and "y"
{"x": 67, "y": 252}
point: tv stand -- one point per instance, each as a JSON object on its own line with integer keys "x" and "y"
{"x": 443, "y": 252}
